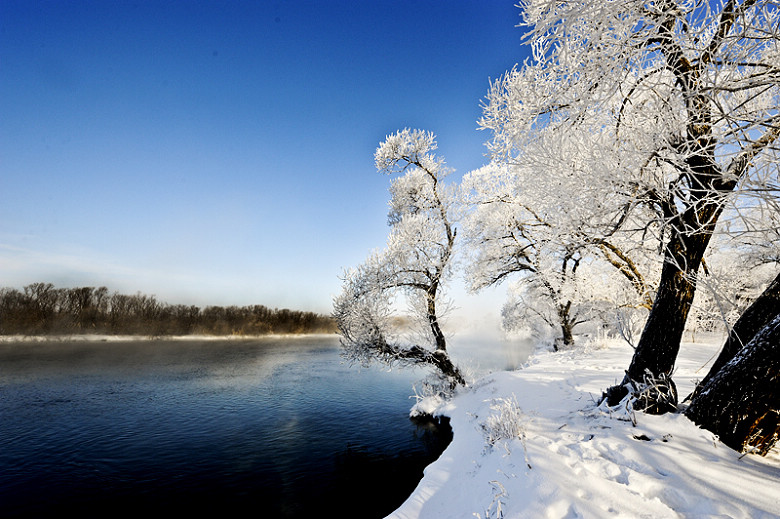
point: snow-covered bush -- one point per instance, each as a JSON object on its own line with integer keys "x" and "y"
{"x": 430, "y": 394}
{"x": 505, "y": 422}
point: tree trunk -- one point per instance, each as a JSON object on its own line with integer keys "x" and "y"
{"x": 442, "y": 361}
{"x": 660, "y": 342}
{"x": 739, "y": 403}
{"x": 433, "y": 319}
{"x": 567, "y": 332}
{"x": 659, "y": 345}
{"x": 753, "y": 319}
{"x": 438, "y": 359}
{"x": 568, "y": 336}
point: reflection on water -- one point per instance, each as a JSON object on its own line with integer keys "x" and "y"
{"x": 279, "y": 427}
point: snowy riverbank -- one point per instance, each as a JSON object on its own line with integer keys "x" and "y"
{"x": 572, "y": 459}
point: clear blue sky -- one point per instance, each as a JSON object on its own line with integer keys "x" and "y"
{"x": 221, "y": 152}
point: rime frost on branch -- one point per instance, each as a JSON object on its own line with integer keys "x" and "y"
{"x": 636, "y": 131}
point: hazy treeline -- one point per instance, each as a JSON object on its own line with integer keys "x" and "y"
{"x": 42, "y": 309}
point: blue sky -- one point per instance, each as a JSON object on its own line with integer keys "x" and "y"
{"x": 222, "y": 152}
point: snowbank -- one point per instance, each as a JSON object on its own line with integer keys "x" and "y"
{"x": 567, "y": 458}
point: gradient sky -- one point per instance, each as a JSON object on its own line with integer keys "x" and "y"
{"x": 221, "y": 152}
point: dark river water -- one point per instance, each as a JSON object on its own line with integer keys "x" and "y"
{"x": 267, "y": 428}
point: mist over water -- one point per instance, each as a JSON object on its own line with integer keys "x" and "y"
{"x": 482, "y": 355}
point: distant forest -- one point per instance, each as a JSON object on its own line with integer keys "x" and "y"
{"x": 42, "y": 309}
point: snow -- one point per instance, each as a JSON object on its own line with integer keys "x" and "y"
{"x": 568, "y": 458}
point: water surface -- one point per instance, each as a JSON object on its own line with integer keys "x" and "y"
{"x": 272, "y": 427}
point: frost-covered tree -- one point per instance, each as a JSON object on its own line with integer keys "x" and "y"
{"x": 541, "y": 301}
{"x": 674, "y": 105}
{"x": 532, "y": 227}
{"x": 508, "y": 236}
{"x": 416, "y": 263}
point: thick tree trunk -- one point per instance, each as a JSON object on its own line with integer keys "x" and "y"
{"x": 753, "y": 320}
{"x": 739, "y": 403}
{"x": 660, "y": 342}
{"x": 659, "y": 345}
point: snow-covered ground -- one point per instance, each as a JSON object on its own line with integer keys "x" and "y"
{"x": 574, "y": 460}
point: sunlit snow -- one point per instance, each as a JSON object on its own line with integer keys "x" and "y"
{"x": 570, "y": 458}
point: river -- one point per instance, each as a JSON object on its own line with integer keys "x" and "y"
{"x": 275, "y": 427}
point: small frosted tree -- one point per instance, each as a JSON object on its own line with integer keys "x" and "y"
{"x": 510, "y": 235}
{"x": 531, "y": 227}
{"x": 416, "y": 264}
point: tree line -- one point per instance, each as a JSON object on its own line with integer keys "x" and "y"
{"x": 43, "y": 309}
